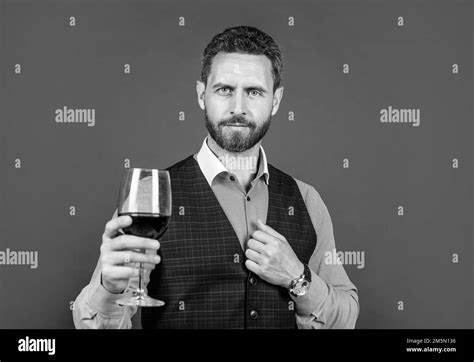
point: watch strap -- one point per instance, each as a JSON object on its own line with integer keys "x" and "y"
{"x": 307, "y": 273}
{"x": 305, "y": 276}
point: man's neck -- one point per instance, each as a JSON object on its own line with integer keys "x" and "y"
{"x": 243, "y": 164}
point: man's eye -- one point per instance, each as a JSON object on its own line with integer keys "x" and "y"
{"x": 223, "y": 91}
{"x": 254, "y": 93}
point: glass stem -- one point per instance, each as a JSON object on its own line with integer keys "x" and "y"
{"x": 140, "y": 279}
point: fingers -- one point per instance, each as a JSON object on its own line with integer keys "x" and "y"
{"x": 256, "y": 245}
{"x": 254, "y": 256}
{"x": 120, "y": 272}
{"x": 119, "y": 262}
{"x": 252, "y": 266}
{"x": 113, "y": 225}
{"x": 146, "y": 266}
{"x": 268, "y": 229}
{"x": 124, "y": 242}
{"x": 264, "y": 237}
{"x": 126, "y": 257}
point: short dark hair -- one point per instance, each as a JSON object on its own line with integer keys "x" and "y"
{"x": 245, "y": 40}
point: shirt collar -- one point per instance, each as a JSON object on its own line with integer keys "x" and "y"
{"x": 211, "y": 166}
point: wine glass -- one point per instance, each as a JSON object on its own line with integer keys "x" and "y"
{"x": 145, "y": 195}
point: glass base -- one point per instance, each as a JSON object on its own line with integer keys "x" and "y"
{"x": 140, "y": 300}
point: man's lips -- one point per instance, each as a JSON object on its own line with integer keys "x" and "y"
{"x": 236, "y": 125}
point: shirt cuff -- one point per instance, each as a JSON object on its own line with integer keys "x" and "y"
{"x": 104, "y": 302}
{"x": 311, "y": 304}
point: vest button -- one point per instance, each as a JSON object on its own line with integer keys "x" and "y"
{"x": 253, "y": 314}
{"x": 248, "y": 198}
{"x": 253, "y": 280}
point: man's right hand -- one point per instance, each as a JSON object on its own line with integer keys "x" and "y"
{"x": 119, "y": 261}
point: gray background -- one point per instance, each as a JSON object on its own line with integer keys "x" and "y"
{"x": 407, "y": 258}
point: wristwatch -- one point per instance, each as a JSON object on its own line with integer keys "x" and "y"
{"x": 300, "y": 285}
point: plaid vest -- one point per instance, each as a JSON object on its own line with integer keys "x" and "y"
{"x": 202, "y": 275}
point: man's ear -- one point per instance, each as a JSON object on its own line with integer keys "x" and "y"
{"x": 277, "y": 96}
{"x": 201, "y": 90}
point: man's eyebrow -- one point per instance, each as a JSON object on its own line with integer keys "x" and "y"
{"x": 254, "y": 87}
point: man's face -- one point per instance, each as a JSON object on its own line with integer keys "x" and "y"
{"x": 238, "y": 100}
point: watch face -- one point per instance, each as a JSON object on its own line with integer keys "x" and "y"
{"x": 301, "y": 287}
{"x": 300, "y": 292}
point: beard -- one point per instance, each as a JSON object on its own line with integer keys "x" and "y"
{"x": 236, "y": 141}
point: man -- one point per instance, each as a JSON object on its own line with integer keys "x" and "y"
{"x": 246, "y": 245}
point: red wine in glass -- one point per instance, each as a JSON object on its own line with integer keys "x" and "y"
{"x": 145, "y": 195}
{"x": 147, "y": 225}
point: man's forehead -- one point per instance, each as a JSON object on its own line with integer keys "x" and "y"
{"x": 241, "y": 64}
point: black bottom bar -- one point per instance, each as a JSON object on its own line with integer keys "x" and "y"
{"x": 332, "y": 345}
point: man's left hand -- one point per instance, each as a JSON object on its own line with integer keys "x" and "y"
{"x": 271, "y": 257}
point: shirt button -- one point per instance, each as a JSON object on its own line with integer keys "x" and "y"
{"x": 232, "y": 178}
{"x": 253, "y": 280}
{"x": 248, "y": 198}
{"x": 253, "y": 314}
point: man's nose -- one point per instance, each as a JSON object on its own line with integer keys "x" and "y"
{"x": 238, "y": 104}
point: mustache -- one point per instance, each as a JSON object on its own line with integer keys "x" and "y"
{"x": 237, "y": 120}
